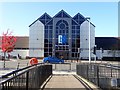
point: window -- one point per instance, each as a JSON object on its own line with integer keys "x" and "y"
{"x": 62, "y": 26}
{"x": 50, "y": 49}
{"x": 46, "y": 50}
{"x": 46, "y": 45}
{"x": 50, "y": 45}
{"x": 73, "y": 27}
{"x": 78, "y": 27}
{"x": 46, "y": 31}
{"x": 46, "y": 27}
{"x": 50, "y": 27}
{"x": 73, "y": 50}
{"x": 73, "y": 36}
{"x": 72, "y": 54}
{"x": 73, "y": 31}
{"x": 62, "y": 29}
{"x": 46, "y": 35}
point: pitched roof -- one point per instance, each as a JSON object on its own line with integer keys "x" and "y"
{"x": 79, "y": 18}
{"x": 44, "y": 19}
{"x": 62, "y": 14}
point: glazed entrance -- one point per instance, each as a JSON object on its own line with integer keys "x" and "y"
{"x": 62, "y": 54}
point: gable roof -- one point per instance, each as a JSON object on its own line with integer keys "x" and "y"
{"x": 79, "y": 18}
{"x": 44, "y": 19}
{"x": 62, "y": 14}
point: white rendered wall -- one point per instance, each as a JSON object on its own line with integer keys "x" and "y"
{"x": 107, "y": 53}
{"x": 36, "y": 40}
{"x": 84, "y": 40}
{"x": 99, "y": 54}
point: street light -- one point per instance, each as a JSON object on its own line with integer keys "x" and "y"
{"x": 94, "y": 52}
{"x": 88, "y": 19}
{"x": 78, "y": 54}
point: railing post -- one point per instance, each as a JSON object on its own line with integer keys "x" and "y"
{"x": 27, "y": 77}
{"x": 98, "y": 75}
{"x": 86, "y": 71}
{"x": 111, "y": 70}
{"x": 3, "y": 87}
{"x": 55, "y": 67}
{"x": 70, "y": 67}
{"x": 18, "y": 65}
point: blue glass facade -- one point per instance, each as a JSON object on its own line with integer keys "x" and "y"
{"x": 65, "y": 28}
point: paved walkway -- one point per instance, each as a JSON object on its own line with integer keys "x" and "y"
{"x": 62, "y": 81}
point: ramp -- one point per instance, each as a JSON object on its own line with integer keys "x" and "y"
{"x": 64, "y": 81}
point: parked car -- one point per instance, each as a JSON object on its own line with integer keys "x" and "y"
{"x": 52, "y": 60}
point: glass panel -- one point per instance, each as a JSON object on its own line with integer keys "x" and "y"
{"x": 67, "y": 28}
{"x": 43, "y": 16}
{"x": 66, "y": 15}
{"x": 67, "y": 31}
{"x": 59, "y": 15}
{"x": 65, "y": 22}
{"x": 50, "y": 40}
{"x": 62, "y": 26}
{"x": 50, "y": 49}
{"x": 50, "y": 27}
{"x": 78, "y": 27}
{"x": 74, "y": 23}
{"x": 50, "y": 45}
{"x": 46, "y": 50}
{"x": 73, "y": 31}
{"x": 62, "y": 14}
{"x": 73, "y": 27}
{"x": 50, "y": 22}
{"x": 46, "y": 31}
{"x": 50, "y": 54}
{"x": 46, "y": 40}
{"x": 79, "y": 18}
{"x": 46, "y": 54}
{"x": 46, "y": 45}
{"x": 46, "y": 27}
{"x": 73, "y": 36}
{"x": 46, "y": 35}
{"x": 43, "y": 21}
{"x": 73, "y": 50}
{"x": 47, "y": 17}
{"x": 72, "y": 54}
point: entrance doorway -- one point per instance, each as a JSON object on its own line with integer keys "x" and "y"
{"x": 62, "y": 54}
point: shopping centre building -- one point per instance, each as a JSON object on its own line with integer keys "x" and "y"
{"x": 64, "y": 36}
{"x": 61, "y": 35}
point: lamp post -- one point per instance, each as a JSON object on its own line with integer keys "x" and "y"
{"x": 88, "y": 19}
{"x": 78, "y": 54}
{"x": 101, "y": 54}
{"x": 94, "y": 52}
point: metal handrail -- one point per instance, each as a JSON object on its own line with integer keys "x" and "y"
{"x": 23, "y": 78}
{"x": 18, "y": 70}
{"x": 102, "y": 75}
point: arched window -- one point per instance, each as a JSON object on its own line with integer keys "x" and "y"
{"x": 62, "y": 29}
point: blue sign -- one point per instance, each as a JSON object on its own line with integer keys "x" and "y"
{"x": 62, "y": 39}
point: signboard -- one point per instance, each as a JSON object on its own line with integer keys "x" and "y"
{"x": 62, "y": 39}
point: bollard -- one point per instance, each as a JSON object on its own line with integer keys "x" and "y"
{"x": 33, "y": 61}
{"x": 18, "y": 65}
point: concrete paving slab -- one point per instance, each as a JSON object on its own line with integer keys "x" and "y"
{"x": 63, "y": 81}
